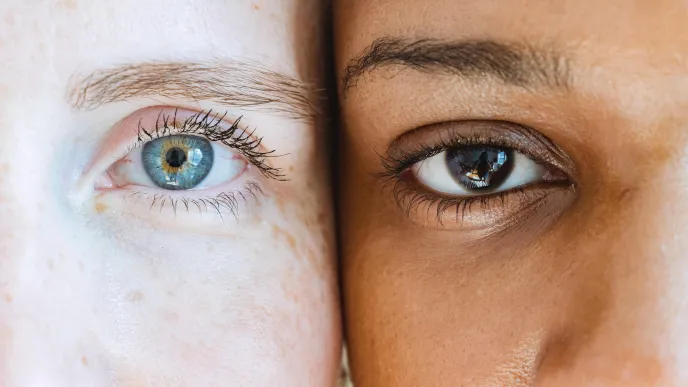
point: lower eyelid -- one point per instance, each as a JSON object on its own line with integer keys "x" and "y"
{"x": 181, "y": 209}
{"x": 487, "y": 214}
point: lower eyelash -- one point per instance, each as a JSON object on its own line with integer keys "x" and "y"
{"x": 224, "y": 203}
{"x": 410, "y": 198}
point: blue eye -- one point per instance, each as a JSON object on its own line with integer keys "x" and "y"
{"x": 177, "y": 162}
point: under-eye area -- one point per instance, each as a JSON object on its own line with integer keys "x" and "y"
{"x": 163, "y": 160}
{"x": 476, "y": 173}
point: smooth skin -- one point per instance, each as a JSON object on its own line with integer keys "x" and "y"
{"x": 588, "y": 289}
{"x": 106, "y": 284}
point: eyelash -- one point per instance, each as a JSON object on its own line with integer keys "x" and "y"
{"x": 228, "y": 201}
{"x": 209, "y": 126}
{"x": 409, "y": 196}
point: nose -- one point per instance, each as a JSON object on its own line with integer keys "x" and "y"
{"x": 628, "y": 325}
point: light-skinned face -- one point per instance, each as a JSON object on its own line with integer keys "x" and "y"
{"x": 515, "y": 179}
{"x": 165, "y": 217}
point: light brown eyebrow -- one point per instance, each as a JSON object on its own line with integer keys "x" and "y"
{"x": 228, "y": 82}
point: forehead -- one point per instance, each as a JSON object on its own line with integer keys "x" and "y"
{"x": 63, "y": 36}
{"x": 655, "y": 27}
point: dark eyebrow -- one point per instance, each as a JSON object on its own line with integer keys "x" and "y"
{"x": 515, "y": 64}
{"x": 228, "y": 82}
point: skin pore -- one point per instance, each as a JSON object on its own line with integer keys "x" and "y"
{"x": 109, "y": 278}
{"x": 574, "y": 276}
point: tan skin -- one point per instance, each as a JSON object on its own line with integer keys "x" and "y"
{"x": 578, "y": 279}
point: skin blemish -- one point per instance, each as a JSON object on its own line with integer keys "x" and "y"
{"x": 67, "y": 4}
{"x": 8, "y": 298}
{"x": 135, "y": 297}
{"x": 84, "y": 361}
{"x": 278, "y": 231}
{"x": 100, "y": 207}
{"x": 255, "y": 6}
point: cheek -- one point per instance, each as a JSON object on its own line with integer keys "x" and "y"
{"x": 139, "y": 302}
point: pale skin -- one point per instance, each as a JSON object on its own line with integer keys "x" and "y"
{"x": 587, "y": 288}
{"x": 103, "y": 282}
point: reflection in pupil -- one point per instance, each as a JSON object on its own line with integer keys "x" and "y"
{"x": 479, "y": 167}
{"x": 483, "y": 166}
{"x": 175, "y": 157}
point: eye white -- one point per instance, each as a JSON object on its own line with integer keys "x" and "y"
{"x": 227, "y": 166}
{"x": 434, "y": 173}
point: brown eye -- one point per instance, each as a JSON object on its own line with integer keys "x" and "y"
{"x": 477, "y": 170}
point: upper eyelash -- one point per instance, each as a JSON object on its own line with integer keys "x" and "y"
{"x": 395, "y": 166}
{"x": 208, "y": 125}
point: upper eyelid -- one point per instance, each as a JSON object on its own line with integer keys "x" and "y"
{"x": 509, "y": 134}
{"x": 122, "y": 138}
{"x": 206, "y": 124}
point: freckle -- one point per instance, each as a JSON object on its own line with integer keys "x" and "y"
{"x": 135, "y": 297}
{"x": 291, "y": 240}
{"x": 100, "y": 207}
{"x": 84, "y": 360}
{"x": 255, "y": 6}
{"x": 277, "y": 231}
{"x": 291, "y": 168}
{"x": 68, "y": 4}
{"x": 8, "y": 298}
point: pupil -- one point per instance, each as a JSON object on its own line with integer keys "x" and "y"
{"x": 175, "y": 157}
{"x": 483, "y": 166}
{"x": 480, "y": 167}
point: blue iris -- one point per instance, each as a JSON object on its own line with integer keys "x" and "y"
{"x": 178, "y": 161}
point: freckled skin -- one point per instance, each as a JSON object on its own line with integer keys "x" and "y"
{"x": 594, "y": 296}
{"x": 100, "y": 288}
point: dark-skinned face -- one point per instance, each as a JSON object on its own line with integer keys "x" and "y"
{"x": 515, "y": 180}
